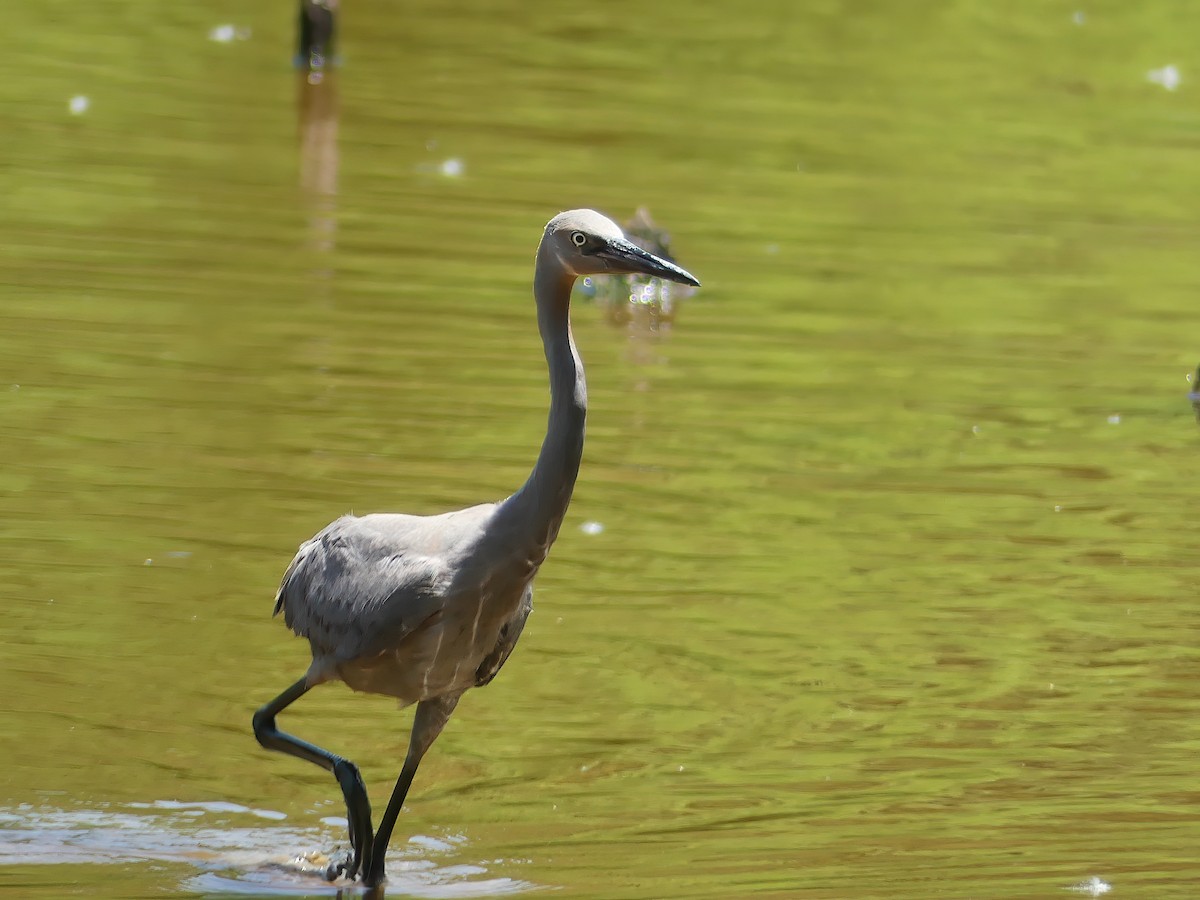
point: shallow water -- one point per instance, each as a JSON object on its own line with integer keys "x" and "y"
{"x": 231, "y": 854}
{"x": 879, "y": 579}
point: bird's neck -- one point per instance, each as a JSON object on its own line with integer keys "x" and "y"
{"x": 535, "y": 512}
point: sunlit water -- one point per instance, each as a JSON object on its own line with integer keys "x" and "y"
{"x": 231, "y": 854}
{"x": 879, "y": 580}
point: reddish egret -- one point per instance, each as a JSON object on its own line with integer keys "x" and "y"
{"x": 421, "y": 608}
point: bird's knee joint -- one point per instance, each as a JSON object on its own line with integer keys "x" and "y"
{"x": 264, "y": 724}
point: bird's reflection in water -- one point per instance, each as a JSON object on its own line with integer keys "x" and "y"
{"x": 412, "y": 876}
{"x": 644, "y": 306}
{"x": 417, "y": 872}
{"x": 641, "y": 302}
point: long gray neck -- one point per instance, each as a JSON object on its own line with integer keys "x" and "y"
{"x": 533, "y": 514}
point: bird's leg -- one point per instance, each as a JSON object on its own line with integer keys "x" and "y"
{"x": 358, "y": 821}
{"x": 428, "y": 722}
{"x": 358, "y": 806}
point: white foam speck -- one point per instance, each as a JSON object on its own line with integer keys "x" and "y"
{"x": 429, "y": 843}
{"x": 1093, "y": 887}
{"x": 227, "y": 34}
{"x": 1167, "y": 77}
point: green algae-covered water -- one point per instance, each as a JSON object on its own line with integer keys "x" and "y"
{"x": 880, "y": 577}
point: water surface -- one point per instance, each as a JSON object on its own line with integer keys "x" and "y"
{"x": 887, "y": 586}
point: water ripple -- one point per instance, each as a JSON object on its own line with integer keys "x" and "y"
{"x": 233, "y": 857}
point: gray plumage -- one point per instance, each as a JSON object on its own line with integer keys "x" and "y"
{"x": 408, "y": 606}
{"x": 423, "y": 608}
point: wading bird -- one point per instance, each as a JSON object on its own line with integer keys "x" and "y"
{"x": 422, "y": 608}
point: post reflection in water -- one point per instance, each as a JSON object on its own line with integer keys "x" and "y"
{"x": 317, "y": 102}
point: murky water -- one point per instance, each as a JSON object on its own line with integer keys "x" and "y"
{"x": 880, "y": 576}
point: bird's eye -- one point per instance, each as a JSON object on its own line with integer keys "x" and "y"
{"x": 578, "y": 239}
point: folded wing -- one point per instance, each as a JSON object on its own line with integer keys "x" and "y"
{"x": 354, "y": 590}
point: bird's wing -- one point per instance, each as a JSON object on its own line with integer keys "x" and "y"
{"x": 490, "y": 667}
{"x": 352, "y": 592}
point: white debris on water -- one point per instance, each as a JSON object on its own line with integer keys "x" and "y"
{"x": 1114, "y": 419}
{"x": 451, "y": 167}
{"x": 1168, "y": 77}
{"x": 1079, "y": 17}
{"x": 227, "y": 34}
{"x": 591, "y": 528}
{"x": 211, "y": 806}
{"x": 1093, "y": 887}
{"x": 78, "y": 105}
{"x": 429, "y": 843}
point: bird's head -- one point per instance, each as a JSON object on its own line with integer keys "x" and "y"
{"x": 587, "y": 243}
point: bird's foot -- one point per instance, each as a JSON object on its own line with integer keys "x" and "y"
{"x": 335, "y": 869}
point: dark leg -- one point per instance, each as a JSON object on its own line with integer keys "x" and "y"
{"x": 431, "y": 717}
{"x": 358, "y": 807}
